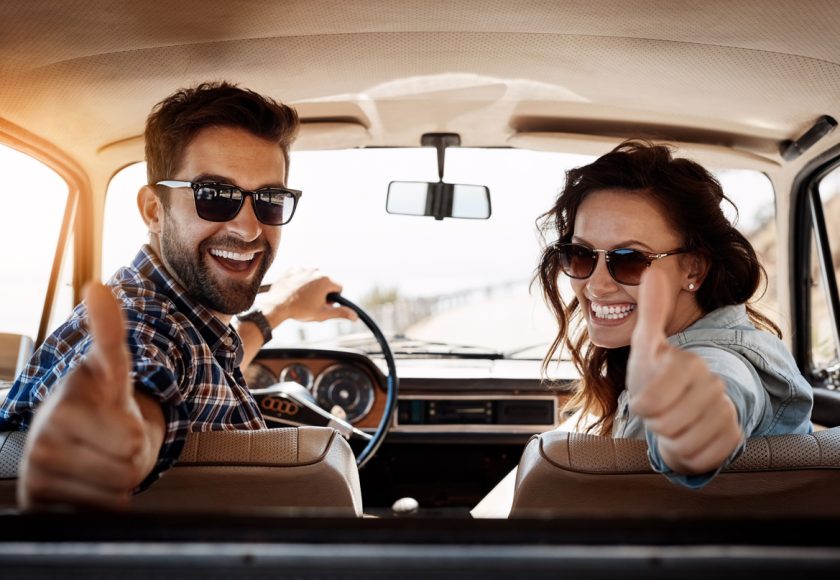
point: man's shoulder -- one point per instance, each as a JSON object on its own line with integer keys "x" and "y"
{"x": 142, "y": 287}
{"x": 137, "y": 293}
{"x": 153, "y": 315}
{"x": 146, "y": 290}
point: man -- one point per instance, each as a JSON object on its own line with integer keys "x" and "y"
{"x": 152, "y": 356}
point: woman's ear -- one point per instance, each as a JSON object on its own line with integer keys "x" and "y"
{"x": 151, "y": 208}
{"x": 697, "y": 266}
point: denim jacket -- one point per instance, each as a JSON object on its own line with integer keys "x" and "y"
{"x": 761, "y": 377}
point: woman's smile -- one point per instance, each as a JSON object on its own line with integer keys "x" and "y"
{"x": 610, "y": 312}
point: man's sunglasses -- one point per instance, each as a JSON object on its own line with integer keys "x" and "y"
{"x": 625, "y": 265}
{"x": 221, "y": 202}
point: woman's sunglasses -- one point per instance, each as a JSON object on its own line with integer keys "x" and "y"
{"x": 220, "y": 202}
{"x": 625, "y": 265}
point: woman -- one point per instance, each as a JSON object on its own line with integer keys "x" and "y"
{"x": 650, "y": 255}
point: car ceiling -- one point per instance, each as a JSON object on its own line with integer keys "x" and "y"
{"x": 80, "y": 76}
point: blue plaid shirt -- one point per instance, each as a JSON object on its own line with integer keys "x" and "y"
{"x": 182, "y": 355}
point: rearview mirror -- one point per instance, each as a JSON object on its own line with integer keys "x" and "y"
{"x": 440, "y": 200}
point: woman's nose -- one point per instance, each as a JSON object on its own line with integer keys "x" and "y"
{"x": 601, "y": 282}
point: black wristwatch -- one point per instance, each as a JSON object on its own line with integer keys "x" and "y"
{"x": 260, "y": 320}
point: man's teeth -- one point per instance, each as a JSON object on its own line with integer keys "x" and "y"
{"x": 233, "y": 255}
{"x": 612, "y": 312}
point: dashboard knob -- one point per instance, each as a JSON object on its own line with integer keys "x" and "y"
{"x": 405, "y": 507}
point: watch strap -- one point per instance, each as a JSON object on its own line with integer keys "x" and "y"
{"x": 260, "y": 320}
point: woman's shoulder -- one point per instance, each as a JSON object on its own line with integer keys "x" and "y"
{"x": 728, "y": 326}
{"x": 734, "y": 347}
{"x": 731, "y": 317}
{"x": 728, "y": 335}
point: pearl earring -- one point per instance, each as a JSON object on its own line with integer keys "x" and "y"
{"x": 691, "y": 286}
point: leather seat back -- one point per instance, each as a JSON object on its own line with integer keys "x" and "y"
{"x": 301, "y": 467}
{"x": 15, "y": 350}
{"x": 574, "y": 475}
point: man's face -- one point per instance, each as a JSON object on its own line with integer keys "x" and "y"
{"x": 221, "y": 264}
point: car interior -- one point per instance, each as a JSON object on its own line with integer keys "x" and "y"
{"x": 427, "y": 436}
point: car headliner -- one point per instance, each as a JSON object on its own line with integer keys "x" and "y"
{"x": 731, "y": 79}
{"x": 83, "y": 75}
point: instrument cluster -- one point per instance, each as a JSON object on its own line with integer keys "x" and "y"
{"x": 343, "y": 388}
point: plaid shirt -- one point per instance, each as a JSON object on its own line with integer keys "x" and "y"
{"x": 182, "y": 355}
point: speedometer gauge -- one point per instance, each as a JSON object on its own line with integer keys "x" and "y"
{"x": 346, "y": 386}
{"x": 298, "y": 373}
{"x": 258, "y": 376}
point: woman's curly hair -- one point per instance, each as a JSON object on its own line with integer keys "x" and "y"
{"x": 691, "y": 198}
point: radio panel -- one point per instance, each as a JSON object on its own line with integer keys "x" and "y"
{"x": 476, "y": 413}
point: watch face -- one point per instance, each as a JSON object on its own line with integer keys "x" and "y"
{"x": 298, "y": 373}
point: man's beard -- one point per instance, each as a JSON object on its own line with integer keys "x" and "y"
{"x": 193, "y": 272}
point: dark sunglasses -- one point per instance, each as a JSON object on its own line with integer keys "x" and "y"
{"x": 221, "y": 202}
{"x": 625, "y": 265}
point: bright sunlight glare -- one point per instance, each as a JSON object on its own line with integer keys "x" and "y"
{"x": 33, "y": 207}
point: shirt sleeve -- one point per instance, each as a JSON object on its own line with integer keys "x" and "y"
{"x": 159, "y": 368}
{"x": 744, "y": 387}
{"x": 60, "y": 353}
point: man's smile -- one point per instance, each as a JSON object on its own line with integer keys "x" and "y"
{"x": 235, "y": 261}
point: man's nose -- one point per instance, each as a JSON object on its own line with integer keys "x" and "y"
{"x": 246, "y": 225}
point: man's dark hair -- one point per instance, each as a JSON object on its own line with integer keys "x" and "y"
{"x": 174, "y": 122}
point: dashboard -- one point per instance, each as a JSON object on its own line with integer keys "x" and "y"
{"x": 436, "y": 395}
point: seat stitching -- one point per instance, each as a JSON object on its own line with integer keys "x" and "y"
{"x": 819, "y": 447}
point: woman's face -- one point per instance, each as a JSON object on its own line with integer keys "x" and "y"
{"x": 610, "y": 219}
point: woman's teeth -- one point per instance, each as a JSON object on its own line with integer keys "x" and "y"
{"x": 612, "y": 312}
{"x": 233, "y": 255}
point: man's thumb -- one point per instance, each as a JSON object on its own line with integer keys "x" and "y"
{"x": 109, "y": 356}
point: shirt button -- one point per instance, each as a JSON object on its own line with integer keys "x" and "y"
{"x": 227, "y": 341}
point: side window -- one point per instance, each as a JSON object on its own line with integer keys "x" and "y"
{"x": 123, "y": 231}
{"x": 753, "y": 196}
{"x": 34, "y": 205}
{"x": 825, "y": 342}
{"x": 64, "y": 298}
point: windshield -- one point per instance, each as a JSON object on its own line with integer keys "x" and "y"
{"x": 438, "y": 283}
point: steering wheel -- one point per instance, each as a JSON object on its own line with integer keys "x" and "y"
{"x": 285, "y": 397}
{"x": 391, "y": 381}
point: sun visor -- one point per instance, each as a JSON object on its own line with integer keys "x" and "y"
{"x": 718, "y": 157}
{"x": 312, "y": 135}
{"x": 331, "y": 135}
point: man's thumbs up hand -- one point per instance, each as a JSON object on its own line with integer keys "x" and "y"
{"x": 88, "y": 443}
{"x": 109, "y": 360}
